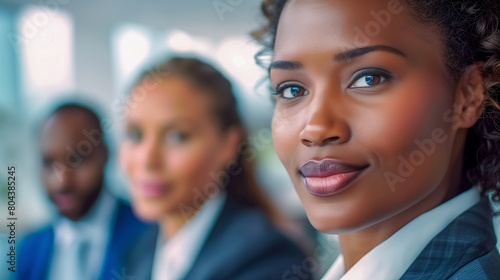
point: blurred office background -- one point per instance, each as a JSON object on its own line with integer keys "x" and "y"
{"x": 54, "y": 50}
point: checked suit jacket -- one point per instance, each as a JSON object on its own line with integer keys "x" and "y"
{"x": 464, "y": 250}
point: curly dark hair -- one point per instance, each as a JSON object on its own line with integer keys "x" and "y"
{"x": 470, "y": 31}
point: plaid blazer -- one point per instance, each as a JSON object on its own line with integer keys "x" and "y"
{"x": 465, "y": 249}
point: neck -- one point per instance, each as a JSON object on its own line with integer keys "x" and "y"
{"x": 171, "y": 225}
{"x": 172, "y": 222}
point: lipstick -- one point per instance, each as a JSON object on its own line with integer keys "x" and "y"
{"x": 153, "y": 188}
{"x": 328, "y": 177}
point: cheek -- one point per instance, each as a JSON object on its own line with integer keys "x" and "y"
{"x": 192, "y": 169}
{"x": 132, "y": 161}
{"x": 285, "y": 131}
{"x": 185, "y": 164}
{"x": 396, "y": 128}
{"x": 48, "y": 178}
{"x": 410, "y": 139}
{"x": 89, "y": 176}
{"x": 145, "y": 207}
{"x": 125, "y": 157}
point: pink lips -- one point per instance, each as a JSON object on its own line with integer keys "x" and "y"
{"x": 328, "y": 177}
{"x": 152, "y": 189}
{"x": 64, "y": 201}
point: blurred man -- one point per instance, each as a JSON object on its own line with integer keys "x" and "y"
{"x": 90, "y": 237}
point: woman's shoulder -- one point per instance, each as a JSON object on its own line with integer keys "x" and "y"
{"x": 467, "y": 246}
{"x": 484, "y": 267}
{"x": 247, "y": 226}
{"x": 246, "y": 244}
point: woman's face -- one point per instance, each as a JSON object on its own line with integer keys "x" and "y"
{"x": 363, "y": 121}
{"x": 173, "y": 149}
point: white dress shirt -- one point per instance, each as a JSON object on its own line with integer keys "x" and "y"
{"x": 174, "y": 258}
{"x": 91, "y": 233}
{"x": 391, "y": 258}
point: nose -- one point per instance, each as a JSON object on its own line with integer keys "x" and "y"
{"x": 150, "y": 155}
{"x": 62, "y": 178}
{"x": 325, "y": 124}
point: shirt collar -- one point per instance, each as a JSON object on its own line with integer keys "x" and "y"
{"x": 95, "y": 223}
{"x": 176, "y": 255}
{"x": 391, "y": 258}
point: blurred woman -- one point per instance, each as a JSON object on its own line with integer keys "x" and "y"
{"x": 190, "y": 170}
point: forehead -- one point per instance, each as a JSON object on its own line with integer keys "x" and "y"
{"x": 323, "y": 26}
{"x": 65, "y": 129}
{"x": 172, "y": 97}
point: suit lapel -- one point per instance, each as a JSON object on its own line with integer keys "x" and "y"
{"x": 466, "y": 238}
{"x": 126, "y": 228}
{"x": 140, "y": 258}
{"x": 43, "y": 255}
{"x": 212, "y": 260}
{"x": 35, "y": 255}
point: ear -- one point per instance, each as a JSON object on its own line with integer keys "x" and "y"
{"x": 232, "y": 139}
{"x": 470, "y": 96}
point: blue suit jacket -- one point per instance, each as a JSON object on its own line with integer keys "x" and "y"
{"x": 36, "y": 249}
{"x": 465, "y": 249}
{"x": 243, "y": 245}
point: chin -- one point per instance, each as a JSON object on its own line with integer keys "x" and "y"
{"x": 332, "y": 224}
{"x": 148, "y": 212}
{"x": 330, "y": 228}
{"x": 327, "y": 226}
{"x": 72, "y": 215}
{"x": 148, "y": 216}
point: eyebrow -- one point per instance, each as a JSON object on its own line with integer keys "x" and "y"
{"x": 340, "y": 57}
{"x": 286, "y": 65}
{"x": 354, "y": 53}
{"x": 178, "y": 122}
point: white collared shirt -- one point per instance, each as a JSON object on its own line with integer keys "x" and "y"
{"x": 174, "y": 258}
{"x": 94, "y": 229}
{"x": 391, "y": 258}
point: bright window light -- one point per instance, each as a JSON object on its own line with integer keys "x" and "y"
{"x": 179, "y": 41}
{"x": 45, "y": 41}
{"x": 133, "y": 46}
{"x": 236, "y": 55}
